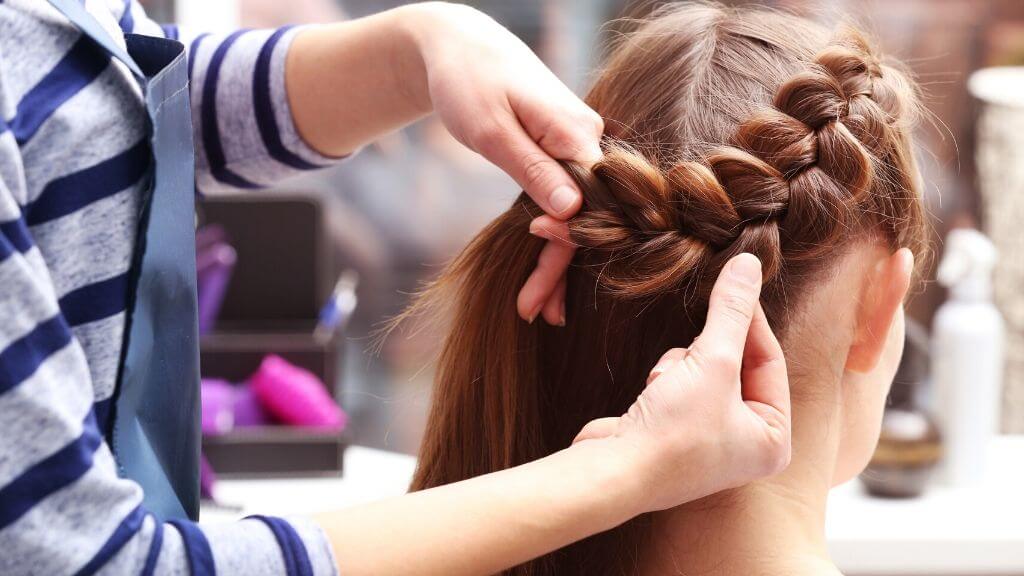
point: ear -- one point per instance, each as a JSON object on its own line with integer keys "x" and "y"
{"x": 885, "y": 287}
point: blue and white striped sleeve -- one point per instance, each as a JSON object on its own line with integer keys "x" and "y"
{"x": 63, "y": 507}
{"x": 245, "y": 135}
{"x": 244, "y": 132}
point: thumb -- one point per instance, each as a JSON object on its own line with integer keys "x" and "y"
{"x": 595, "y": 429}
{"x": 734, "y": 299}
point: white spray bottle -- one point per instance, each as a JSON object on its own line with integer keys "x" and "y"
{"x": 967, "y": 357}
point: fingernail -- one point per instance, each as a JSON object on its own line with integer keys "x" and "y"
{"x": 536, "y": 311}
{"x": 562, "y": 199}
{"x": 746, "y": 268}
{"x": 539, "y": 232}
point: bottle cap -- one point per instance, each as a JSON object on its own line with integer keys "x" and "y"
{"x": 967, "y": 263}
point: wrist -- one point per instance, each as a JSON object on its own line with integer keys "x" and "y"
{"x": 416, "y": 26}
{"x": 612, "y": 473}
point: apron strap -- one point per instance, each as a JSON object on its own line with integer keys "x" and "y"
{"x": 155, "y": 435}
{"x": 74, "y": 11}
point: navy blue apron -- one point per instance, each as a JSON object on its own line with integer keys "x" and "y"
{"x": 155, "y": 436}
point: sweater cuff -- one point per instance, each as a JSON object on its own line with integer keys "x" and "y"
{"x": 283, "y": 111}
{"x": 321, "y": 555}
{"x": 245, "y": 135}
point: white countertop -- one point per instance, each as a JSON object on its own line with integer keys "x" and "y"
{"x": 946, "y": 531}
{"x": 961, "y": 532}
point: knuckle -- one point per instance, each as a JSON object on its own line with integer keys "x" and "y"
{"x": 561, "y": 141}
{"x": 719, "y": 359}
{"x": 715, "y": 367}
{"x": 535, "y": 170}
{"x": 594, "y": 120}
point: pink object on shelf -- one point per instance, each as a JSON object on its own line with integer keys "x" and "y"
{"x": 248, "y": 410}
{"x": 217, "y": 406}
{"x": 295, "y": 396}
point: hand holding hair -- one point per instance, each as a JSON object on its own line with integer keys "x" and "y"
{"x": 496, "y": 97}
{"x": 713, "y": 416}
{"x": 720, "y": 406}
{"x": 793, "y": 147}
{"x": 488, "y": 88}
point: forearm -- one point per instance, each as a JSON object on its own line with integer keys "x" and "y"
{"x": 352, "y": 82}
{"x": 489, "y": 523}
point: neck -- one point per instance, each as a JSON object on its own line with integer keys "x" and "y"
{"x": 772, "y": 527}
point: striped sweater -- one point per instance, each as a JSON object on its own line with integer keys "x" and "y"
{"x": 72, "y": 156}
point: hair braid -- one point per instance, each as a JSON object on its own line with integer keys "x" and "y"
{"x": 728, "y": 129}
{"x": 793, "y": 179}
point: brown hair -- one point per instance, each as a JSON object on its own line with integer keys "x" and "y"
{"x": 728, "y": 130}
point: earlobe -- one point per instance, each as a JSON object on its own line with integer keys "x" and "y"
{"x": 886, "y": 288}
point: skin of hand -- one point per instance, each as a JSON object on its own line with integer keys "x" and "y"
{"x": 488, "y": 88}
{"x": 712, "y": 417}
{"x": 496, "y": 97}
{"x": 732, "y": 381}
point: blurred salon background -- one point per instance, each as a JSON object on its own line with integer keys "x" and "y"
{"x": 386, "y": 220}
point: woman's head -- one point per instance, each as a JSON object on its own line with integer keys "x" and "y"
{"x": 728, "y": 131}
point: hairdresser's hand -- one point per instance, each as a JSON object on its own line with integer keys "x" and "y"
{"x": 496, "y": 97}
{"x": 713, "y": 416}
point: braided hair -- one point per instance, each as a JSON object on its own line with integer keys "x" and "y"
{"x": 727, "y": 130}
{"x": 803, "y": 171}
